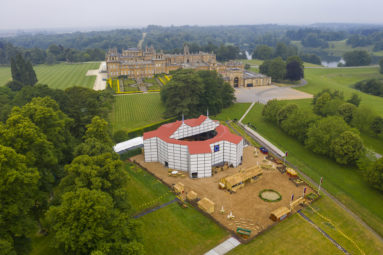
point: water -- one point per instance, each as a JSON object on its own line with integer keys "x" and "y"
{"x": 248, "y": 56}
{"x": 333, "y": 64}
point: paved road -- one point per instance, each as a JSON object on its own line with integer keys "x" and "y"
{"x": 99, "y": 83}
{"x": 224, "y": 247}
{"x": 139, "y": 45}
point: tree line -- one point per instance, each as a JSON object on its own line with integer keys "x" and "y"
{"x": 332, "y": 128}
{"x": 223, "y": 52}
{"x": 54, "y": 53}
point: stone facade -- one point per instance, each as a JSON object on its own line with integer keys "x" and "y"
{"x": 136, "y": 63}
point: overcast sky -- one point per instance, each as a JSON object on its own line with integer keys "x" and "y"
{"x": 26, "y": 14}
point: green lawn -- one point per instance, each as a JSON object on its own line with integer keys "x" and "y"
{"x": 235, "y": 111}
{"x": 60, "y": 76}
{"x": 129, "y": 85}
{"x": 343, "y": 79}
{"x": 345, "y": 183}
{"x": 296, "y": 236}
{"x": 152, "y": 83}
{"x": 133, "y": 111}
{"x": 172, "y": 229}
{"x": 5, "y": 75}
{"x": 152, "y": 191}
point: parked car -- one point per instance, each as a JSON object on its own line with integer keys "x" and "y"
{"x": 264, "y": 150}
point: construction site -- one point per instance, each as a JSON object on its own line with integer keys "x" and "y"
{"x": 246, "y": 199}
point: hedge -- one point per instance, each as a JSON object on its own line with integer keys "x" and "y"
{"x": 141, "y": 130}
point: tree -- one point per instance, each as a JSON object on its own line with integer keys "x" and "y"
{"x": 381, "y": 65}
{"x": 22, "y": 71}
{"x": 294, "y": 68}
{"x": 193, "y": 92}
{"x": 347, "y": 111}
{"x": 281, "y": 50}
{"x": 97, "y": 139}
{"x": 311, "y": 58}
{"x": 377, "y": 125}
{"x": 83, "y": 104}
{"x": 321, "y": 134}
{"x": 20, "y": 133}
{"x": 312, "y": 40}
{"x": 120, "y": 136}
{"x": 46, "y": 114}
{"x": 357, "y": 58}
{"x": 18, "y": 193}
{"x": 262, "y": 52}
{"x": 271, "y": 109}
{"x": 363, "y": 118}
{"x": 14, "y": 85}
{"x": 275, "y": 68}
{"x": 285, "y": 112}
{"x": 103, "y": 172}
{"x": 86, "y": 221}
{"x": 99, "y": 130}
{"x": 347, "y": 148}
{"x": 320, "y": 104}
{"x": 181, "y": 94}
{"x": 355, "y": 99}
{"x": 298, "y": 123}
{"x": 374, "y": 174}
{"x": 216, "y": 93}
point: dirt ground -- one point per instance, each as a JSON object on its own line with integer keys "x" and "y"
{"x": 249, "y": 210}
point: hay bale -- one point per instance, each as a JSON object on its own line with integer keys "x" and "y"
{"x": 191, "y": 196}
{"x": 179, "y": 187}
{"x": 206, "y": 205}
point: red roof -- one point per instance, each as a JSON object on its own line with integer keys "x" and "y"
{"x": 195, "y": 147}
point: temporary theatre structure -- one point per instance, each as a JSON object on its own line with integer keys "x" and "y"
{"x": 193, "y": 146}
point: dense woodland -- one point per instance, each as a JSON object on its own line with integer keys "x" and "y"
{"x": 59, "y": 173}
{"x": 91, "y": 46}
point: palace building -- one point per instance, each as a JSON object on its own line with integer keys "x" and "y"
{"x": 137, "y": 64}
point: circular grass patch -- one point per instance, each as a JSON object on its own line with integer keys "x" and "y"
{"x": 270, "y": 195}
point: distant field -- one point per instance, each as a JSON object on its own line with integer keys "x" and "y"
{"x": 338, "y": 48}
{"x": 60, "y": 76}
{"x": 133, "y": 111}
{"x": 343, "y": 79}
{"x": 172, "y": 229}
{"x": 296, "y": 236}
{"x": 258, "y": 62}
{"x": 345, "y": 183}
